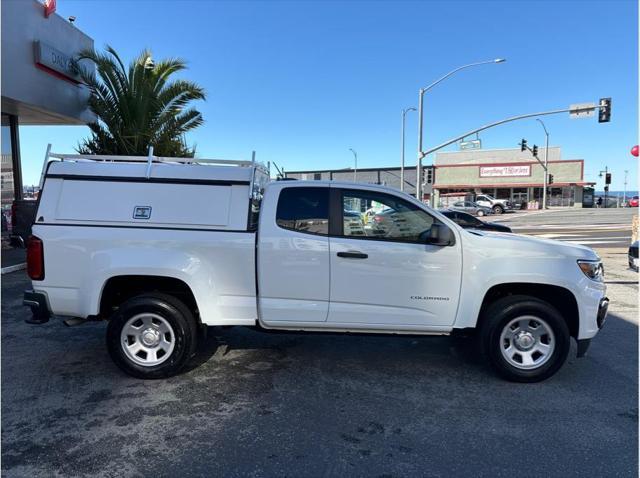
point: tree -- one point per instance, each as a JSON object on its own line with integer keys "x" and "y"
{"x": 138, "y": 107}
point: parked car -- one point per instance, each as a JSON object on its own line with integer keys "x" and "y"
{"x": 633, "y": 256}
{"x": 472, "y": 208}
{"x": 498, "y": 206}
{"x": 467, "y": 221}
{"x": 161, "y": 249}
{"x": 633, "y": 202}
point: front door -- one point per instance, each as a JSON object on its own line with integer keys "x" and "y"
{"x": 293, "y": 257}
{"x": 385, "y": 274}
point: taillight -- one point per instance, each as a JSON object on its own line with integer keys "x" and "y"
{"x": 35, "y": 258}
{"x": 377, "y": 219}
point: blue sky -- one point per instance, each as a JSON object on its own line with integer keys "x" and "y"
{"x": 302, "y": 82}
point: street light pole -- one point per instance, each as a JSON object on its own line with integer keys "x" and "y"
{"x": 606, "y": 186}
{"x": 355, "y": 169}
{"x": 546, "y": 166}
{"x": 624, "y": 195}
{"x": 421, "y": 93}
{"x": 404, "y": 115}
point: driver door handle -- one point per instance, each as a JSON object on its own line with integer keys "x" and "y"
{"x": 353, "y": 255}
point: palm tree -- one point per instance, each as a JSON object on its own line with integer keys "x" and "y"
{"x": 139, "y": 107}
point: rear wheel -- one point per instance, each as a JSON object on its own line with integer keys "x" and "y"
{"x": 152, "y": 336}
{"x": 497, "y": 209}
{"x": 525, "y": 339}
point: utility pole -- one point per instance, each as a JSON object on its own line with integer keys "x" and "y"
{"x": 421, "y": 93}
{"x": 355, "y": 169}
{"x": 624, "y": 196}
{"x": 546, "y": 166}
{"x": 404, "y": 116}
{"x": 547, "y": 177}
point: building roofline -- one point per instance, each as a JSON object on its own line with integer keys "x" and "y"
{"x": 511, "y": 185}
{"x": 519, "y": 163}
{"x": 350, "y": 170}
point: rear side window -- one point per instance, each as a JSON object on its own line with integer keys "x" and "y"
{"x": 304, "y": 210}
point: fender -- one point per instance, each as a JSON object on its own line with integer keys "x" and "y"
{"x": 495, "y": 259}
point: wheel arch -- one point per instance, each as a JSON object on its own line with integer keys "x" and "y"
{"x": 117, "y": 289}
{"x": 559, "y": 297}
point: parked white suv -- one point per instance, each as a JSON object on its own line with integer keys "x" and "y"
{"x": 160, "y": 248}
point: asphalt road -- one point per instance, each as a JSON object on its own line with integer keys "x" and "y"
{"x": 595, "y": 228}
{"x": 258, "y": 404}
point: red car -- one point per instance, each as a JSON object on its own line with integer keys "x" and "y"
{"x": 633, "y": 202}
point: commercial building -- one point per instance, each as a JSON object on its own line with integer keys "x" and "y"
{"x": 502, "y": 173}
{"x": 40, "y": 82}
{"x": 385, "y": 176}
{"x": 512, "y": 174}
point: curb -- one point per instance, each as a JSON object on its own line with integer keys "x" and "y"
{"x": 17, "y": 267}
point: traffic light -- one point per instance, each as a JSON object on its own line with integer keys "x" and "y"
{"x": 550, "y": 181}
{"x": 534, "y": 150}
{"x": 607, "y": 178}
{"x": 523, "y": 145}
{"x": 604, "y": 112}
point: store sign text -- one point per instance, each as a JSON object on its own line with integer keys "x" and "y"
{"x": 53, "y": 59}
{"x": 504, "y": 171}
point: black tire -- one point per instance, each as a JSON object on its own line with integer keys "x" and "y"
{"x": 498, "y": 209}
{"x": 500, "y": 314}
{"x": 480, "y": 213}
{"x": 175, "y": 313}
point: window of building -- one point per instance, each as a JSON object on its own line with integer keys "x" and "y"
{"x": 304, "y": 210}
{"x": 386, "y": 217}
{"x": 317, "y": 176}
{"x": 563, "y": 196}
{"x": 503, "y": 193}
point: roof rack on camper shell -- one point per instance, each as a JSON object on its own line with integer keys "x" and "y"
{"x": 150, "y": 159}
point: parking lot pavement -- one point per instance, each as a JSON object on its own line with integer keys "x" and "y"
{"x": 258, "y": 404}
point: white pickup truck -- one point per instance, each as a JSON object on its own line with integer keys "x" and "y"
{"x": 162, "y": 247}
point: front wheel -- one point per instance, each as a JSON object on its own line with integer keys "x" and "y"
{"x": 498, "y": 209}
{"x": 480, "y": 213}
{"x": 152, "y": 336}
{"x": 525, "y": 339}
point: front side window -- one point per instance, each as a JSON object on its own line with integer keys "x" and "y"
{"x": 304, "y": 210}
{"x": 385, "y": 217}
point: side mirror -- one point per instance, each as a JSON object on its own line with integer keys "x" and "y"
{"x": 440, "y": 235}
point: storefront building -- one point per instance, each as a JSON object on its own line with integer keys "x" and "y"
{"x": 40, "y": 82}
{"x": 512, "y": 174}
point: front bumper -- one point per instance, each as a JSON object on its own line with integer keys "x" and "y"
{"x": 603, "y": 307}
{"x": 39, "y": 305}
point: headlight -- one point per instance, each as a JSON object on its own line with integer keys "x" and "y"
{"x": 594, "y": 270}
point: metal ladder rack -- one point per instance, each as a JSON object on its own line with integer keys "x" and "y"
{"x": 150, "y": 159}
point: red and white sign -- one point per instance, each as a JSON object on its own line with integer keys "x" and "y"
{"x": 505, "y": 171}
{"x": 49, "y": 7}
